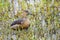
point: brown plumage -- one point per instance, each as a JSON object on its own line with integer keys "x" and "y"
{"x": 22, "y": 23}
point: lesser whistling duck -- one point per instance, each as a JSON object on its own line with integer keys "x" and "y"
{"x": 22, "y": 23}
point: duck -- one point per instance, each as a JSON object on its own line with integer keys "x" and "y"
{"x": 23, "y": 22}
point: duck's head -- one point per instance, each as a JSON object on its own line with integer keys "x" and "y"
{"x": 25, "y": 13}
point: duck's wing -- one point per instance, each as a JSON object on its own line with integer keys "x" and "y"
{"x": 19, "y": 21}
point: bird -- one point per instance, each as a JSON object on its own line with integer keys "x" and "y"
{"x": 23, "y": 22}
